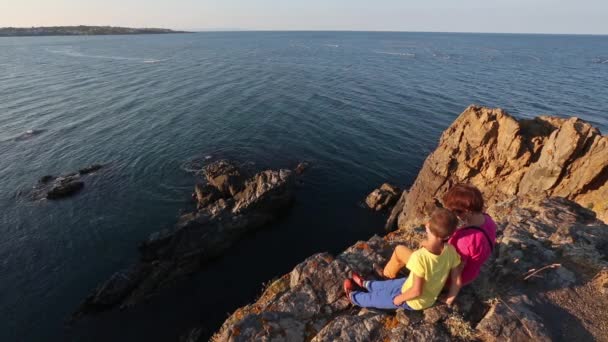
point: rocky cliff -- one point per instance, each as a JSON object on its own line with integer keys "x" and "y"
{"x": 505, "y": 157}
{"x": 547, "y": 278}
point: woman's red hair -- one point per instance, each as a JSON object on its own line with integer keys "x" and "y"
{"x": 463, "y": 197}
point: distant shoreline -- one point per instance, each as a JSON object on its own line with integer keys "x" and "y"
{"x": 79, "y": 31}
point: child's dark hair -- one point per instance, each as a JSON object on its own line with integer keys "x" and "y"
{"x": 443, "y": 223}
{"x": 462, "y": 198}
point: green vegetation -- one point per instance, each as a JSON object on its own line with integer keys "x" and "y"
{"x": 79, "y": 31}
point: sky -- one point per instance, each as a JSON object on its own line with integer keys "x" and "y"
{"x": 508, "y": 16}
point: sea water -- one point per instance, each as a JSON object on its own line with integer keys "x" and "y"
{"x": 362, "y": 108}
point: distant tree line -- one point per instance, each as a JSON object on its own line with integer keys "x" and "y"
{"x": 78, "y": 31}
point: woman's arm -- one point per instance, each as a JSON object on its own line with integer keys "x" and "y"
{"x": 455, "y": 283}
{"x": 412, "y": 292}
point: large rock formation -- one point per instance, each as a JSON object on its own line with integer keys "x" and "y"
{"x": 509, "y": 302}
{"x": 547, "y": 277}
{"x": 503, "y": 156}
{"x": 198, "y": 236}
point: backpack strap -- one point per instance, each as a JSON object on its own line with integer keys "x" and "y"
{"x": 479, "y": 229}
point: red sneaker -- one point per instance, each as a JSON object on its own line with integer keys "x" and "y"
{"x": 349, "y": 286}
{"x": 358, "y": 280}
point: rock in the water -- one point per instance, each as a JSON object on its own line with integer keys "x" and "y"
{"x": 225, "y": 176}
{"x": 383, "y": 198}
{"x": 502, "y": 156}
{"x": 64, "y": 187}
{"x": 90, "y": 169}
{"x": 53, "y": 188}
{"x": 30, "y": 133}
{"x": 301, "y": 168}
{"x": 170, "y": 254}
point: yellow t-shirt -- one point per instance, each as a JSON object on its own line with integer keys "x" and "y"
{"x": 434, "y": 269}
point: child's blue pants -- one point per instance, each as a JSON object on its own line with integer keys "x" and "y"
{"x": 381, "y": 294}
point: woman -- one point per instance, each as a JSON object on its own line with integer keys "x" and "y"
{"x": 474, "y": 240}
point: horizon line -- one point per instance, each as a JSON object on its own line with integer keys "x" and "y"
{"x": 201, "y": 30}
{"x": 228, "y": 29}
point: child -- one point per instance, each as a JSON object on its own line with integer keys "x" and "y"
{"x": 429, "y": 268}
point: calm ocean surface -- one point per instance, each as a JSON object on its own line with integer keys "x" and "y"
{"x": 362, "y": 107}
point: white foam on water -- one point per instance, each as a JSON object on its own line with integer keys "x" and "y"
{"x": 68, "y": 51}
{"x": 332, "y": 45}
{"x": 406, "y": 54}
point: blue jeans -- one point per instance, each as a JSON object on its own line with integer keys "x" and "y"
{"x": 380, "y": 294}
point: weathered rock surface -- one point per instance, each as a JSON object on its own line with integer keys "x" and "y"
{"x": 53, "y": 188}
{"x": 170, "y": 254}
{"x": 383, "y": 198}
{"x": 391, "y": 222}
{"x": 503, "y": 156}
{"x": 502, "y": 305}
{"x": 205, "y": 194}
{"x": 225, "y": 176}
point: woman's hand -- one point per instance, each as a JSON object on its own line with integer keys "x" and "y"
{"x": 447, "y": 299}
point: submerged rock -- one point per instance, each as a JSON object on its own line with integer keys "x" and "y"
{"x": 46, "y": 179}
{"x": 53, "y": 188}
{"x": 30, "y": 133}
{"x": 90, "y": 169}
{"x": 64, "y": 187}
{"x": 302, "y": 167}
{"x": 170, "y": 254}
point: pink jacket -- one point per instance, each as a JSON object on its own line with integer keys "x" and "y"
{"x": 474, "y": 248}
